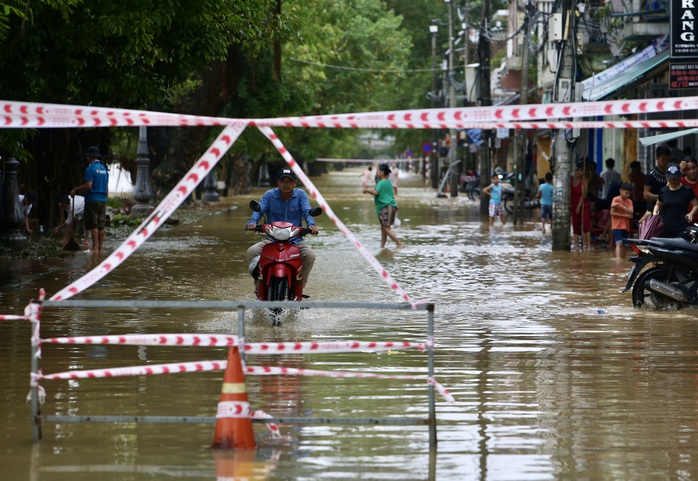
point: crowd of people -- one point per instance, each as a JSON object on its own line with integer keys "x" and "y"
{"x": 604, "y": 205}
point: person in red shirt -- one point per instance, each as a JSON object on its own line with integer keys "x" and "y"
{"x": 621, "y": 213}
{"x": 690, "y": 172}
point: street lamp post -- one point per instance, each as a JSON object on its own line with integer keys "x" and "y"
{"x": 142, "y": 191}
{"x": 434, "y": 29}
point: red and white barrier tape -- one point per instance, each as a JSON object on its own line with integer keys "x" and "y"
{"x": 39, "y": 115}
{"x": 553, "y": 125}
{"x": 219, "y": 365}
{"x": 9, "y": 317}
{"x": 233, "y": 409}
{"x": 161, "y": 213}
{"x": 224, "y": 340}
{"x": 150, "y": 370}
{"x": 324, "y": 347}
{"x": 312, "y": 190}
{"x": 447, "y": 117}
{"x": 273, "y": 427}
{"x": 203, "y": 340}
{"x": 241, "y": 409}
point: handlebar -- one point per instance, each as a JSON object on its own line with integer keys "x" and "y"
{"x": 259, "y": 228}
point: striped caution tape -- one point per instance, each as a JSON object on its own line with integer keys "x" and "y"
{"x": 233, "y": 409}
{"x": 224, "y": 340}
{"x": 39, "y": 115}
{"x": 220, "y": 365}
{"x": 203, "y": 340}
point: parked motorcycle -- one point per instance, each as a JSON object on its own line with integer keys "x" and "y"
{"x": 278, "y": 268}
{"x": 527, "y": 199}
{"x": 671, "y": 282}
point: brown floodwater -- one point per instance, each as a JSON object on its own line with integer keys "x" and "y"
{"x": 554, "y": 374}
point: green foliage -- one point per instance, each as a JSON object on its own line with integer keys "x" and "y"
{"x": 124, "y": 220}
{"x": 5, "y": 12}
{"x": 115, "y": 203}
{"x": 351, "y": 57}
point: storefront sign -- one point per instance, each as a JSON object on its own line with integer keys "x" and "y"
{"x": 684, "y": 76}
{"x": 684, "y": 30}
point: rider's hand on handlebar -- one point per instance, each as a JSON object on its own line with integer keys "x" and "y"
{"x": 250, "y": 226}
{"x": 313, "y": 229}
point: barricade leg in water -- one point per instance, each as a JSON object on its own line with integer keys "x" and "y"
{"x": 233, "y": 420}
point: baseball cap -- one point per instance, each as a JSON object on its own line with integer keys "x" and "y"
{"x": 673, "y": 171}
{"x": 286, "y": 173}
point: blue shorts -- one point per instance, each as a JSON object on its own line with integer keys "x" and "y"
{"x": 546, "y": 211}
{"x": 619, "y": 235}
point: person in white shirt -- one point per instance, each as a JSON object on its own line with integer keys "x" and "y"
{"x": 69, "y": 216}
{"x": 27, "y": 201}
{"x": 610, "y": 176}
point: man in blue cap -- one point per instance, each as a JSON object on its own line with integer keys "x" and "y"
{"x": 95, "y": 188}
{"x": 285, "y": 204}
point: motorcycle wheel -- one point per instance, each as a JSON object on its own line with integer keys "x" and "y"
{"x": 642, "y": 296}
{"x": 278, "y": 291}
{"x": 509, "y": 205}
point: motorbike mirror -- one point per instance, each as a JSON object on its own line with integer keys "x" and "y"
{"x": 316, "y": 211}
{"x": 254, "y": 205}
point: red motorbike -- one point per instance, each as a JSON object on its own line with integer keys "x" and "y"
{"x": 278, "y": 269}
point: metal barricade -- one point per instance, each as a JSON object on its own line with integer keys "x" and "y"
{"x": 240, "y": 307}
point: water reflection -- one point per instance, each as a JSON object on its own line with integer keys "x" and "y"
{"x": 546, "y": 387}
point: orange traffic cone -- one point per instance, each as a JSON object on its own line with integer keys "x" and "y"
{"x": 233, "y": 420}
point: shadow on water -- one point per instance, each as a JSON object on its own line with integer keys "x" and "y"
{"x": 546, "y": 387}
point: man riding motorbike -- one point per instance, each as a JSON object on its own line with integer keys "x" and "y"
{"x": 285, "y": 204}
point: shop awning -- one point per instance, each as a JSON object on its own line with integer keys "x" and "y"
{"x": 628, "y": 73}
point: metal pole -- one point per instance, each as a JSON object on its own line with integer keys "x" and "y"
{"x": 521, "y": 137}
{"x": 485, "y": 101}
{"x": 241, "y": 331}
{"x": 430, "y": 371}
{"x": 35, "y": 408}
{"x": 433, "y": 28}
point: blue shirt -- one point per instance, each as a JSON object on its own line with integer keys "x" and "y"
{"x": 546, "y": 197}
{"x": 496, "y": 194}
{"x": 99, "y": 176}
{"x": 293, "y": 210}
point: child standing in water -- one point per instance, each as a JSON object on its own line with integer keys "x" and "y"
{"x": 621, "y": 213}
{"x": 494, "y": 190}
{"x": 545, "y": 194}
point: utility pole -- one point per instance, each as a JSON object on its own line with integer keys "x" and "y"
{"x": 453, "y": 145}
{"x": 485, "y": 101}
{"x": 522, "y": 135}
{"x": 563, "y": 92}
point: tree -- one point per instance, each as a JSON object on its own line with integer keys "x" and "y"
{"x": 127, "y": 54}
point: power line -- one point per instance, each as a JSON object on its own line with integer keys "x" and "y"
{"x": 358, "y": 69}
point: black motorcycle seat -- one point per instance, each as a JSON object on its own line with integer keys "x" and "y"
{"x": 676, "y": 243}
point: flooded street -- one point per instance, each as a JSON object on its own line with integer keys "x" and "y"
{"x": 555, "y": 376}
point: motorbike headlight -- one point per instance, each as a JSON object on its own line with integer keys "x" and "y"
{"x": 281, "y": 234}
